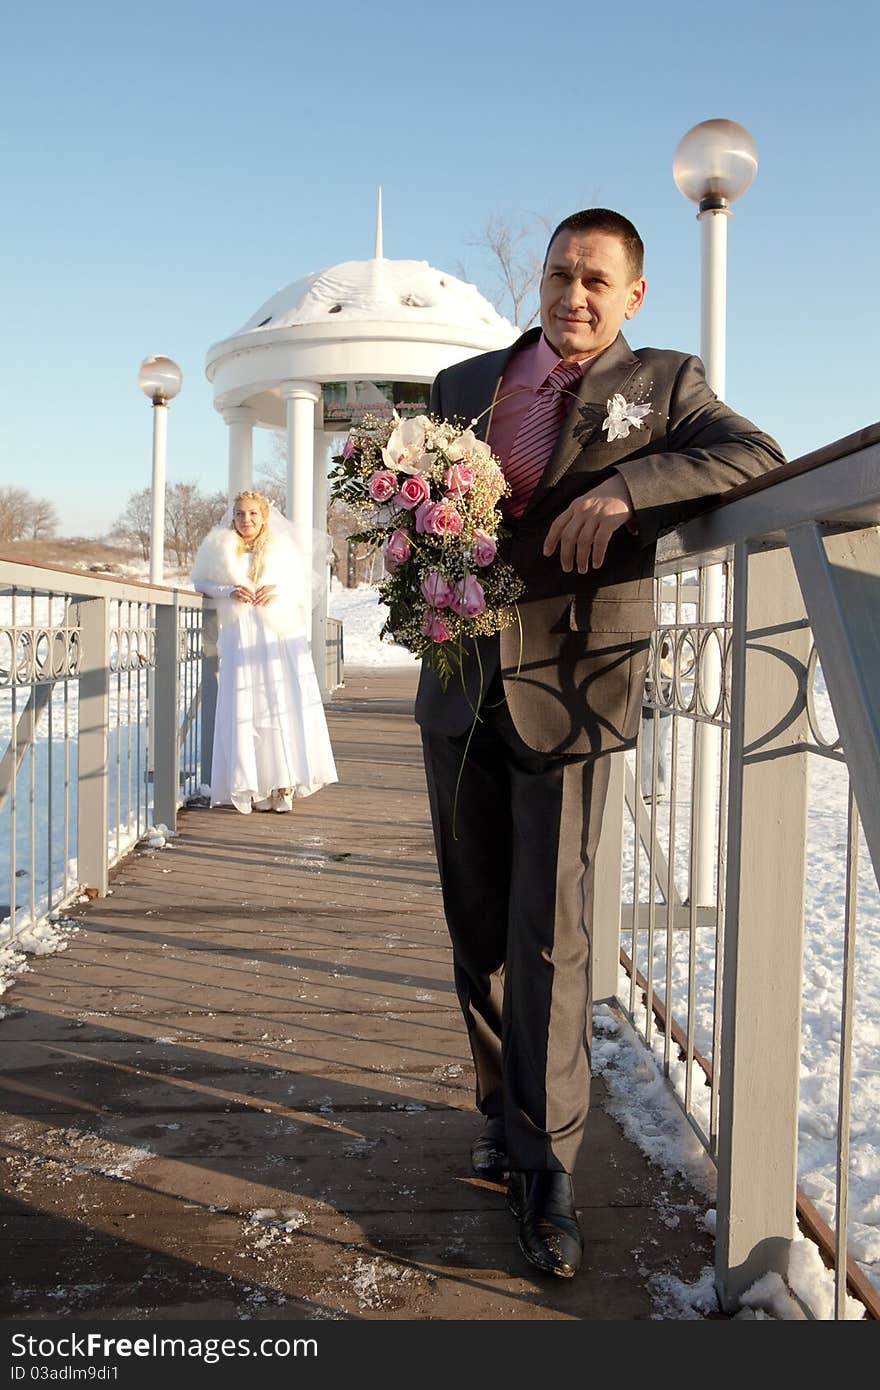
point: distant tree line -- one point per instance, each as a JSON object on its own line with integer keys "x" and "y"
{"x": 24, "y": 517}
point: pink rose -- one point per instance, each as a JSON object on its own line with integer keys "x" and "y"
{"x": 397, "y": 546}
{"x": 468, "y": 599}
{"x": 458, "y": 479}
{"x": 348, "y": 448}
{"x": 483, "y": 549}
{"x": 434, "y": 627}
{"x": 424, "y": 512}
{"x": 436, "y": 590}
{"x": 445, "y": 520}
{"x": 382, "y": 485}
{"x": 413, "y": 491}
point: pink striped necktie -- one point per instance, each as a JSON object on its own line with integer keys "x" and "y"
{"x": 537, "y": 434}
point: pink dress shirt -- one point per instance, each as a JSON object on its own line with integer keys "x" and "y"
{"x": 525, "y": 372}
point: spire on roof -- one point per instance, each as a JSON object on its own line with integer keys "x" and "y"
{"x": 377, "y": 254}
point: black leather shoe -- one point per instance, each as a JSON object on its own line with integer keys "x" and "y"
{"x": 549, "y": 1234}
{"x": 489, "y": 1151}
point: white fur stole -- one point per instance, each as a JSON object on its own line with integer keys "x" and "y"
{"x": 219, "y": 560}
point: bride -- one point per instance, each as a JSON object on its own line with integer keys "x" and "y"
{"x": 270, "y": 736}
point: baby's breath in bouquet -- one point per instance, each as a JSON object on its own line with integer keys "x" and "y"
{"x": 427, "y": 491}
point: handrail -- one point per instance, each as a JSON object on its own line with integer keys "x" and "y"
{"x": 91, "y": 585}
{"x": 829, "y": 453}
{"x": 809, "y": 490}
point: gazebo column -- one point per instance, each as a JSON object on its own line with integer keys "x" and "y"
{"x": 319, "y": 521}
{"x": 301, "y": 398}
{"x": 240, "y": 420}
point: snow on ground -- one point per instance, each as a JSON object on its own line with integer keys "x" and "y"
{"x": 362, "y": 617}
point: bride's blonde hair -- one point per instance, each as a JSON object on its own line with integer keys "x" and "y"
{"x": 258, "y": 545}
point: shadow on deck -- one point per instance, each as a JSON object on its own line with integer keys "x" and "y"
{"x": 244, "y": 1089}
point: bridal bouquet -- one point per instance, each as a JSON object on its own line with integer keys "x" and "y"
{"x": 427, "y": 491}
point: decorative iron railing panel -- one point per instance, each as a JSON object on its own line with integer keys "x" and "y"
{"x": 39, "y": 667}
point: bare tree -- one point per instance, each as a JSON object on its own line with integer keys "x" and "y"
{"x": 517, "y": 254}
{"x": 189, "y": 516}
{"x": 23, "y": 516}
{"x": 214, "y": 504}
{"x": 181, "y": 501}
{"x": 134, "y": 522}
{"x": 43, "y": 519}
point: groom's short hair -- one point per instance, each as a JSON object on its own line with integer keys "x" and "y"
{"x": 613, "y": 224}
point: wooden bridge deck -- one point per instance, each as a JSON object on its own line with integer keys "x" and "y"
{"x": 243, "y": 1091}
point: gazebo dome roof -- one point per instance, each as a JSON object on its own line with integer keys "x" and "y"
{"x": 368, "y": 321}
{"x": 405, "y": 292}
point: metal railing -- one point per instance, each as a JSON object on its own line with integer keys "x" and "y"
{"x": 716, "y": 987}
{"x": 100, "y": 693}
{"x": 334, "y": 659}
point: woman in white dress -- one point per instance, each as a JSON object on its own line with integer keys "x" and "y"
{"x": 270, "y": 735}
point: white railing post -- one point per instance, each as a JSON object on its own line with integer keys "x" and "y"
{"x": 761, "y": 1001}
{"x": 210, "y": 670}
{"x": 166, "y": 718}
{"x": 92, "y": 815}
{"x": 607, "y": 887}
{"x": 320, "y": 600}
{"x": 334, "y": 655}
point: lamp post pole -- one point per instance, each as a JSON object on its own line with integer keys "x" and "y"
{"x": 713, "y": 295}
{"x": 157, "y": 517}
{"x": 159, "y": 378}
{"x": 713, "y": 165}
{"x": 713, "y": 331}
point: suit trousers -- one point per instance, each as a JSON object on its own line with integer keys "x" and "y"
{"x": 516, "y": 833}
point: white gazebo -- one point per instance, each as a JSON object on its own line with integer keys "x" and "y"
{"x": 346, "y": 335}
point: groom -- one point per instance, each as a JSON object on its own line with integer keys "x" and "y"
{"x": 603, "y": 448}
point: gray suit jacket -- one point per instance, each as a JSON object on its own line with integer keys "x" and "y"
{"x": 573, "y": 663}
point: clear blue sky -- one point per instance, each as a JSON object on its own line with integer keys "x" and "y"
{"x": 167, "y": 168}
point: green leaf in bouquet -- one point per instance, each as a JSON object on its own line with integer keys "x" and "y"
{"x": 371, "y": 537}
{"x": 441, "y": 664}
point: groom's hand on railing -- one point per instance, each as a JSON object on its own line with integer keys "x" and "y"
{"x": 583, "y": 530}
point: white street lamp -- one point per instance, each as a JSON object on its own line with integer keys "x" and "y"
{"x": 159, "y": 378}
{"x": 713, "y": 166}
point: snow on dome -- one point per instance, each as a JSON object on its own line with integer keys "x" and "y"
{"x": 395, "y": 291}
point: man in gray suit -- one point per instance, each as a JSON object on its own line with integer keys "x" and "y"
{"x": 604, "y": 448}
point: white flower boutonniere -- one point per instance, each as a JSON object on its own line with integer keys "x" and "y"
{"x": 623, "y": 415}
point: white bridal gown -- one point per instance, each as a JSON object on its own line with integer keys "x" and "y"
{"x": 270, "y": 729}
